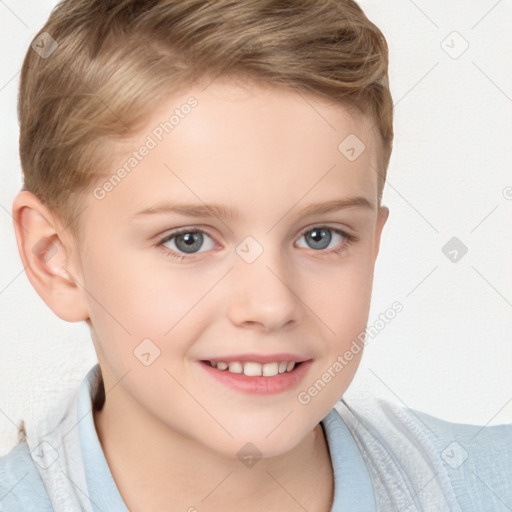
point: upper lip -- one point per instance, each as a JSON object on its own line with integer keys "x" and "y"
{"x": 258, "y": 358}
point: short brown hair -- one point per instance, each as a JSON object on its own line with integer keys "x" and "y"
{"x": 116, "y": 59}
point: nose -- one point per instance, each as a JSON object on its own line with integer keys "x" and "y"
{"x": 261, "y": 294}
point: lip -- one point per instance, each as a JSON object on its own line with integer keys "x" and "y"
{"x": 258, "y": 358}
{"x": 259, "y": 385}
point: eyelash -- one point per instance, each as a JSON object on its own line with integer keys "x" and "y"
{"x": 349, "y": 240}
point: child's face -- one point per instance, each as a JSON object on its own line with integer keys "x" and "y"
{"x": 255, "y": 287}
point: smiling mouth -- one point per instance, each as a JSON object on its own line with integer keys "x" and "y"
{"x": 253, "y": 369}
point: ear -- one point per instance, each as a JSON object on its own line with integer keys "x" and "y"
{"x": 49, "y": 257}
{"x": 382, "y": 217}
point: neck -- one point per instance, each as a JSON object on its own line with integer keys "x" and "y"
{"x": 156, "y": 468}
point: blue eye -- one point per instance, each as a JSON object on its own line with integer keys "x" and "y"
{"x": 185, "y": 243}
{"x": 188, "y": 241}
{"x": 320, "y": 237}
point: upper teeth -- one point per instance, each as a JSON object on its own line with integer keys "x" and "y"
{"x": 252, "y": 369}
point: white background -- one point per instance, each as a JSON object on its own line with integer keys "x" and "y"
{"x": 449, "y": 351}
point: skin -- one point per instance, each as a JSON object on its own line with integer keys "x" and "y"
{"x": 268, "y": 153}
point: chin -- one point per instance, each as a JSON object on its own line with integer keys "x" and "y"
{"x": 263, "y": 442}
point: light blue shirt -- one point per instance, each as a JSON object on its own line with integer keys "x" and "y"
{"x": 471, "y": 466}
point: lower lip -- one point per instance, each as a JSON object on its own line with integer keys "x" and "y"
{"x": 259, "y": 385}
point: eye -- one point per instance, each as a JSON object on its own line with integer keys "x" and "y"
{"x": 188, "y": 241}
{"x": 320, "y": 237}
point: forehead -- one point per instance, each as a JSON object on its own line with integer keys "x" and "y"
{"x": 246, "y": 144}
{"x": 274, "y": 122}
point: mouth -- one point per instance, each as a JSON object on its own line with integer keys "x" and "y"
{"x": 267, "y": 375}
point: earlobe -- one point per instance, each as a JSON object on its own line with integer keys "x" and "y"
{"x": 46, "y": 257}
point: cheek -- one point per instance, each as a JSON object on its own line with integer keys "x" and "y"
{"x": 141, "y": 296}
{"x": 341, "y": 294}
{"x": 131, "y": 302}
{"x": 341, "y": 299}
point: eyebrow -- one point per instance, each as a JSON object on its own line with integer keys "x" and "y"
{"x": 224, "y": 212}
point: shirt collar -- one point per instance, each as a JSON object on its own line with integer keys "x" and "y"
{"x": 102, "y": 489}
{"x": 353, "y": 489}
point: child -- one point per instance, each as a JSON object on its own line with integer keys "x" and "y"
{"x": 202, "y": 186}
